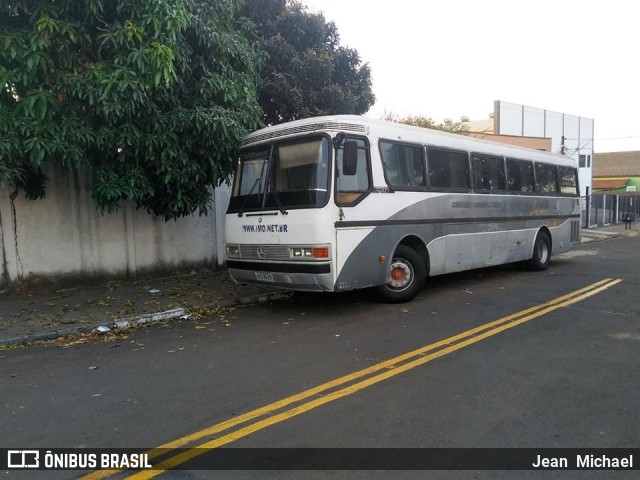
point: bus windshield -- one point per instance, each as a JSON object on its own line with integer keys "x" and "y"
{"x": 283, "y": 175}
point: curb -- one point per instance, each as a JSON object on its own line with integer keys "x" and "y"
{"x": 600, "y": 233}
{"x": 594, "y": 236}
{"x": 125, "y": 323}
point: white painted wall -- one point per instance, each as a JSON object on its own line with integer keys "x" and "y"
{"x": 64, "y": 235}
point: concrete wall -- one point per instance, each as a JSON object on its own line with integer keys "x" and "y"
{"x": 65, "y": 236}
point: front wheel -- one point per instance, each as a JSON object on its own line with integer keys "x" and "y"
{"x": 541, "y": 253}
{"x": 406, "y": 276}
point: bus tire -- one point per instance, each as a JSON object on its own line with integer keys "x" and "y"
{"x": 541, "y": 253}
{"x": 406, "y": 276}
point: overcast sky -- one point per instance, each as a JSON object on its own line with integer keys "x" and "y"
{"x": 445, "y": 59}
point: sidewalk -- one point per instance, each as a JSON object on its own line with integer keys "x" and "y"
{"x": 47, "y": 313}
{"x": 609, "y": 231}
{"x": 50, "y": 312}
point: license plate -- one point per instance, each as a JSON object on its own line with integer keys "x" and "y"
{"x": 264, "y": 277}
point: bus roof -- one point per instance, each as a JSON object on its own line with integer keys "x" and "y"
{"x": 382, "y": 129}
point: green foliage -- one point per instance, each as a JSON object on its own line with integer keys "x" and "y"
{"x": 428, "y": 122}
{"x": 307, "y": 72}
{"x": 152, "y": 97}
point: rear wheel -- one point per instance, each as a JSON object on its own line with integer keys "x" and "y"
{"x": 406, "y": 276}
{"x": 541, "y": 253}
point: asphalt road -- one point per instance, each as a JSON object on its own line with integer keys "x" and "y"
{"x": 563, "y": 372}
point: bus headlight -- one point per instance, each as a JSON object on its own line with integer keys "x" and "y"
{"x": 320, "y": 252}
{"x": 233, "y": 251}
{"x": 297, "y": 252}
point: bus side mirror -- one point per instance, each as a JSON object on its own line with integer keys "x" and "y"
{"x": 350, "y": 159}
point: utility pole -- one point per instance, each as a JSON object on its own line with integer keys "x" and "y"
{"x": 562, "y": 149}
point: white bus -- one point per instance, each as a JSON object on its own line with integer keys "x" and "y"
{"x": 345, "y": 202}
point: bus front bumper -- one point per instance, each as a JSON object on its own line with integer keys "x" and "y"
{"x": 312, "y": 277}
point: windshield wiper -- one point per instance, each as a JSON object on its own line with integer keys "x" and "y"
{"x": 279, "y": 203}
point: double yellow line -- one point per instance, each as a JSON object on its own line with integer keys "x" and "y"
{"x": 307, "y": 400}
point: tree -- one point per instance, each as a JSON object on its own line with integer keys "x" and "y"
{"x": 427, "y": 122}
{"x": 151, "y": 97}
{"x": 307, "y": 72}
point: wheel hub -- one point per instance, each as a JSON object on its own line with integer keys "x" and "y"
{"x": 543, "y": 252}
{"x": 400, "y": 275}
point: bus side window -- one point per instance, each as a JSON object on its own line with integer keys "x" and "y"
{"x": 519, "y": 176}
{"x": 568, "y": 178}
{"x": 353, "y": 188}
{"x": 403, "y": 164}
{"x": 546, "y": 178}
{"x": 448, "y": 169}
{"x": 488, "y": 172}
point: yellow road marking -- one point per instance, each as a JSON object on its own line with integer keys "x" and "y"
{"x": 392, "y": 367}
